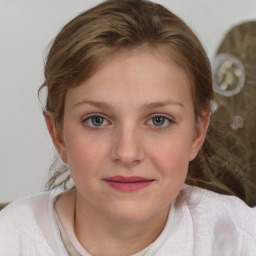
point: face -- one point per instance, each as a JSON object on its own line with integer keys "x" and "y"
{"x": 128, "y": 135}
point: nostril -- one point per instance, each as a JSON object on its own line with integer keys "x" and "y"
{"x": 127, "y": 160}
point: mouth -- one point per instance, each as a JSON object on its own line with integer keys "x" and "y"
{"x": 128, "y": 184}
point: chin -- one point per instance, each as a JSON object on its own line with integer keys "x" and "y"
{"x": 130, "y": 213}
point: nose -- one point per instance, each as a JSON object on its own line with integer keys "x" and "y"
{"x": 127, "y": 147}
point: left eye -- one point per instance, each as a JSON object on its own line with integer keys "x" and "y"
{"x": 95, "y": 121}
{"x": 160, "y": 121}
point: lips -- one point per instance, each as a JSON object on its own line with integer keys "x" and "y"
{"x": 128, "y": 184}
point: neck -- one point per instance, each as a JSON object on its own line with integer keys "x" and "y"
{"x": 102, "y": 235}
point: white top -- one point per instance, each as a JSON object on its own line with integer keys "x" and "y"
{"x": 204, "y": 224}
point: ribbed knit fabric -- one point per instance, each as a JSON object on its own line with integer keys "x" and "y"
{"x": 202, "y": 223}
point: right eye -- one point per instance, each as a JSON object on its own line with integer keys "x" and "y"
{"x": 95, "y": 121}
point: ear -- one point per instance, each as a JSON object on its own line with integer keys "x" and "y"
{"x": 56, "y": 135}
{"x": 200, "y": 133}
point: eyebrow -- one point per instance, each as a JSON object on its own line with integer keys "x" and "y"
{"x": 156, "y": 104}
{"x": 159, "y": 104}
{"x": 97, "y": 104}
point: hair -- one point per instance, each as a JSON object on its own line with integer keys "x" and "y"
{"x": 88, "y": 40}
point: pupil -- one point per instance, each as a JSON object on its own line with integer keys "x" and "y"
{"x": 97, "y": 121}
{"x": 158, "y": 121}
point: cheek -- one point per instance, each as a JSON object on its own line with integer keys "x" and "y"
{"x": 172, "y": 157}
{"x": 171, "y": 163}
{"x": 85, "y": 156}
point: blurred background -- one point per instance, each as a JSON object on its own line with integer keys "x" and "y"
{"x": 26, "y": 28}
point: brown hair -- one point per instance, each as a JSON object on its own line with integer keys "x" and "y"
{"x": 90, "y": 38}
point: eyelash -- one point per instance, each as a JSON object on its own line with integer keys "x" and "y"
{"x": 88, "y": 121}
{"x": 166, "y": 119}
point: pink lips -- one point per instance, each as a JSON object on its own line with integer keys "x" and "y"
{"x": 128, "y": 184}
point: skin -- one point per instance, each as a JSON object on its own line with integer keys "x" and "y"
{"x": 128, "y": 92}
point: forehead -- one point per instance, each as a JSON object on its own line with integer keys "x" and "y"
{"x": 141, "y": 74}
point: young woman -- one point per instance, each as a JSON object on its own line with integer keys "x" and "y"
{"x": 128, "y": 106}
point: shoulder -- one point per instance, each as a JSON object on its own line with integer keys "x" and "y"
{"x": 198, "y": 198}
{"x": 26, "y": 223}
{"x": 25, "y": 208}
{"x": 223, "y": 219}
